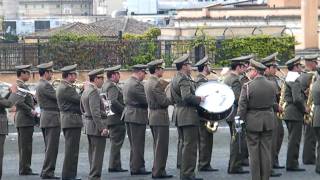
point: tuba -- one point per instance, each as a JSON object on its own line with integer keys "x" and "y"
{"x": 212, "y": 127}
{"x": 308, "y": 118}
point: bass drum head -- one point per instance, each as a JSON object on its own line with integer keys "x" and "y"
{"x": 218, "y": 102}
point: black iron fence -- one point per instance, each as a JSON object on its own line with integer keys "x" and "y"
{"x": 108, "y": 53}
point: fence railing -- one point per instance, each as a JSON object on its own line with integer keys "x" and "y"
{"x": 109, "y": 53}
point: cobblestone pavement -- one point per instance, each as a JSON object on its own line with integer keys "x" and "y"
{"x": 219, "y": 159}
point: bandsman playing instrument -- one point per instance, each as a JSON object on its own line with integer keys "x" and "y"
{"x": 94, "y": 113}
{"x": 310, "y": 141}
{"x": 49, "y": 120}
{"x": 233, "y": 80}
{"x": 205, "y": 137}
{"x": 158, "y": 118}
{"x": 256, "y": 108}
{"x": 316, "y": 118}
{"x": 71, "y": 122}
{"x": 294, "y": 113}
{"x": 5, "y": 102}
{"x": 116, "y": 127}
{"x": 277, "y": 134}
{"x": 135, "y": 115}
{"x": 185, "y": 116}
{"x": 25, "y": 121}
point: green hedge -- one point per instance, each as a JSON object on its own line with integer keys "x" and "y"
{"x": 260, "y": 45}
{"x": 92, "y": 51}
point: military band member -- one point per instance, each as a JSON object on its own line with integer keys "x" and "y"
{"x": 278, "y": 132}
{"x": 116, "y": 127}
{"x": 256, "y": 108}
{"x": 135, "y": 115}
{"x": 244, "y": 79}
{"x": 4, "y": 103}
{"x": 49, "y": 120}
{"x": 158, "y": 118}
{"x": 294, "y": 113}
{"x": 233, "y": 80}
{"x": 185, "y": 115}
{"x": 94, "y": 113}
{"x": 71, "y": 121}
{"x": 205, "y": 137}
{"x": 316, "y": 118}
{"x": 310, "y": 141}
{"x": 25, "y": 122}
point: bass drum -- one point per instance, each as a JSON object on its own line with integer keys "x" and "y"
{"x": 218, "y": 104}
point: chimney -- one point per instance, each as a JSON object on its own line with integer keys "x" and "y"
{"x": 309, "y": 23}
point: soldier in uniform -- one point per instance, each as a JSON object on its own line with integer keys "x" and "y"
{"x": 310, "y": 141}
{"x": 94, "y": 113}
{"x": 205, "y": 137}
{"x": 233, "y": 80}
{"x": 294, "y": 113}
{"x": 256, "y": 108}
{"x": 278, "y": 132}
{"x": 49, "y": 120}
{"x": 135, "y": 115}
{"x": 185, "y": 116}
{"x": 116, "y": 127}
{"x": 25, "y": 122}
{"x": 316, "y": 118}
{"x": 71, "y": 121}
{"x": 158, "y": 118}
{"x": 5, "y": 102}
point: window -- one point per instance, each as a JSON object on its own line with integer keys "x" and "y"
{"x": 58, "y": 6}
{"x": 34, "y": 6}
{"x": 42, "y": 5}
{"x": 26, "y": 6}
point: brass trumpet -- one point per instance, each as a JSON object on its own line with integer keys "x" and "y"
{"x": 79, "y": 85}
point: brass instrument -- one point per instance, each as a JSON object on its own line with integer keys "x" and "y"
{"x": 212, "y": 127}
{"x": 282, "y": 102}
{"x": 21, "y": 91}
{"x": 164, "y": 84}
{"x": 79, "y": 85}
{"x": 308, "y": 118}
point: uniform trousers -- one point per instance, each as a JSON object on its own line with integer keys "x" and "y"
{"x": 51, "y": 138}
{"x": 136, "y": 134}
{"x": 71, "y": 152}
{"x": 117, "y": 135}
{"x": 25, "y": 148}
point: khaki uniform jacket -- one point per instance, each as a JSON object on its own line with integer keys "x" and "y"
{"x": 4, "y": 103}
{"x": 305, "y": 80}
{"x": 23, "y": 116}
{"x": 233, "y": 81}
{"x": 157, "y": 102}
{"x": 114, "y": 94}
{"x": 69, "y": 105}
{"x": 93, "y": 111}
{"x": 257, "y": 103}
{"x": 136, "y": 106}
{"x": 186, "y": 103}
{"x": 295, "y": 99}
{"x": 46, "y": 96}
{"x": 275, "y": 81}
{"x": 316, "y": 100}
